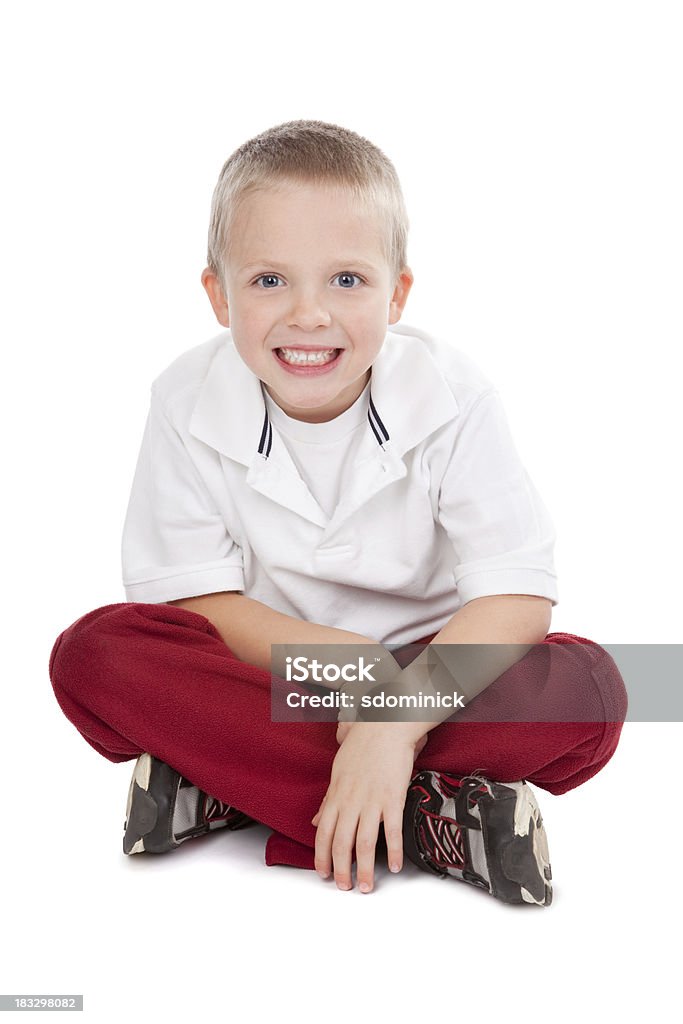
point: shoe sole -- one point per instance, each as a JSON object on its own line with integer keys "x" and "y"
{"x": 148, "y": 822}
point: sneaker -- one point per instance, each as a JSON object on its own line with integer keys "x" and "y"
{"x": 487, "y": 833}
{"x": 164, "y": 809}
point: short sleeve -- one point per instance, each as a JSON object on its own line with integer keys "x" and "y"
{"x": 175, "y": 543}
{"x": 501, "y": 531}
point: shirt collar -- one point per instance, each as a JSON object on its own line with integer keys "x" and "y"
{"x": 409, "y": 398}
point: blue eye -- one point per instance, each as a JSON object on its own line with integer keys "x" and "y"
{"x": 347, "y": 275}
{"x": 271, "y": 277}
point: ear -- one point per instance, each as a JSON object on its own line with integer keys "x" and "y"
{"x": 400, "y": 296}
{"x": 214, "y": 290}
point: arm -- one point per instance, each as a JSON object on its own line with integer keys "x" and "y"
{"x": 503, "y": 538}
{"x": 508, "y": 624}
{"x": 500, "y": 619}
{"x": 249, "y": 627}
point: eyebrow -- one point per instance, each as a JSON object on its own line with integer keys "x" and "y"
{"x": 350, "y": 262}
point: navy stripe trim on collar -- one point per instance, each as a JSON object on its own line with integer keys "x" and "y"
{"x": 267, "y": 432}
{"x": 378, "y": 429}
{"x": 372, "y": 412}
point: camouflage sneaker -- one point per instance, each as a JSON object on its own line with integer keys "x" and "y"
{"x": 164, "y": 809}
{"x": 487, "y": 833}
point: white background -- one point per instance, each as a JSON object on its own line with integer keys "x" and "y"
{"x": 539, "y": 147}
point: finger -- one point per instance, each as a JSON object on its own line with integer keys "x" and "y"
{"x": 319, "y": 811}
{"x": 393, "y": 831}
{"x": 342, "y": 849}
{"x": 323, "y": 842}
{"x": 366, "y": 843}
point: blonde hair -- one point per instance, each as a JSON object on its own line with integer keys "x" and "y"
{"x": 310, "y": 152}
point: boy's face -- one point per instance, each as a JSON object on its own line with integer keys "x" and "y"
{"x": 306, "y": 270}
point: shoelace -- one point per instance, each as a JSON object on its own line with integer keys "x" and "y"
{"x": 441, "y": 839}
{"x": 216, "y": 810}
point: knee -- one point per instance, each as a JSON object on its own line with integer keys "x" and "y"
{"x": 113, "y": 638}
{"x": 594, "y": 664}
{"x": 78, "y": 650}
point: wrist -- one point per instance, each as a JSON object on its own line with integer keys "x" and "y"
{"x": 410, "y": 732}
{"x": 415, "y": 732}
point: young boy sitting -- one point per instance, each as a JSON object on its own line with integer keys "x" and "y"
{"x": 318, "y": 474}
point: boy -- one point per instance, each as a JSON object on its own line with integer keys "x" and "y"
{"x": 318, "y": 474}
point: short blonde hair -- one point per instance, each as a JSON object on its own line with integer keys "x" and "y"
{"x": 311, "y": 152}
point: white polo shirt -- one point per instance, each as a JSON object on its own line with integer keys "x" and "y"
{"x": 436, "y": 507}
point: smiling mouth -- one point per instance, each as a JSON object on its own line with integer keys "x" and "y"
{"x": 301, "y": 357}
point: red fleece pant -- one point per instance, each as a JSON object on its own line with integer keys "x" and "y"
{"x": 136, "y": 677}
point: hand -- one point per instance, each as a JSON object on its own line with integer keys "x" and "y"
{"x": 368, "y": 784}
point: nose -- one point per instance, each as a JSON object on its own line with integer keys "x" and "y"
{"x": 307, "y": 311}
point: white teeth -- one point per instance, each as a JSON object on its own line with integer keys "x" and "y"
{"x": 294, "y": 355}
